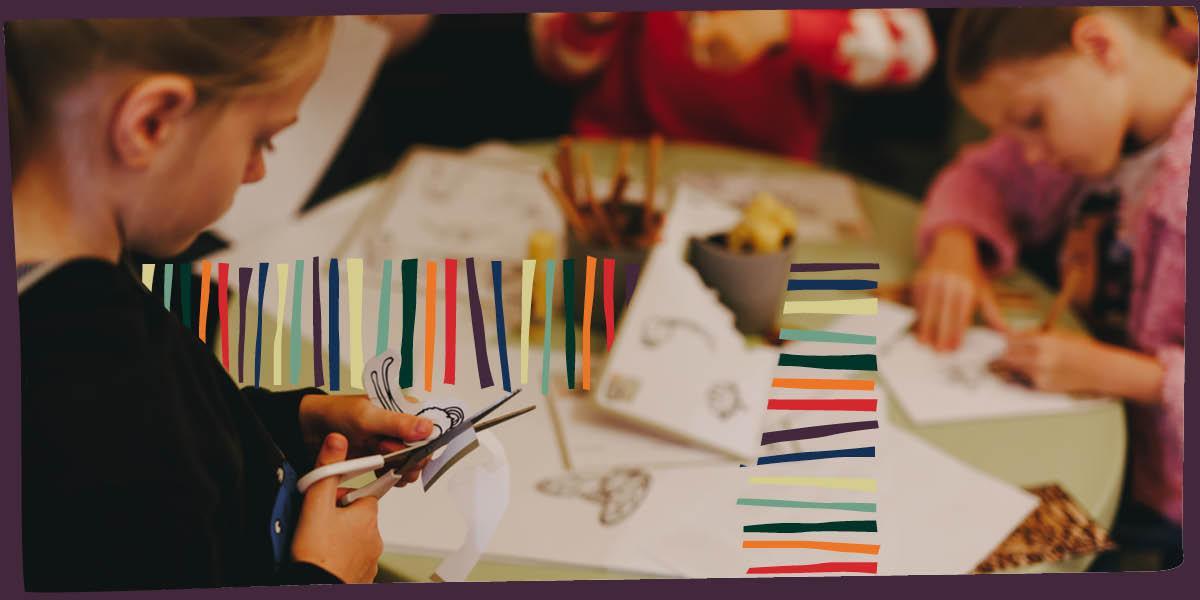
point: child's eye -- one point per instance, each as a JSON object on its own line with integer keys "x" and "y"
{"x": 266, "y": 144}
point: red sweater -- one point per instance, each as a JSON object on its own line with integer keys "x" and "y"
{"x": 639, "y": 77}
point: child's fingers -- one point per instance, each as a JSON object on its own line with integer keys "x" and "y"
{"x": 989, "y": 307}
{"x": 388, "y": 424}
{"x": 927, "y": 310}
{"x": 324, "y": 492}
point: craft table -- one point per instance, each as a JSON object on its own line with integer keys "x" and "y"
{"x": 1084, "y": 452}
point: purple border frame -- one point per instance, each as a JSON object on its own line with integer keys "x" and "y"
{"x": 1120, "y": 585}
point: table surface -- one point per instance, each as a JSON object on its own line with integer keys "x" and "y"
{"x": 1084, "y": 452}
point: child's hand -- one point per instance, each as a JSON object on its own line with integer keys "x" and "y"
{"x": 949, "y": 287}
{"x": 370, "y": 429}
{"x": 1055, "y": 361}
{"x": 342, "y": 540}
{"x": 730, "y": 39}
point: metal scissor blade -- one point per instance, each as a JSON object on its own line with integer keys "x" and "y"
{"x": 498, "y": 420}
{"x": 487, "y": 411}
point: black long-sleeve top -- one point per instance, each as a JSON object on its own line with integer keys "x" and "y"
{"x": 141, "y": 459}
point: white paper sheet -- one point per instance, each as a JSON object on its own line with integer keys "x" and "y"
{"x": 957, "y": 386}
{"x": 480, "y": 488}
{"x": 304, "y": 150}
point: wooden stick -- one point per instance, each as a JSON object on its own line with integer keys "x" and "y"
{"x": 566, "y": 171}
{"x": 620, "y": 177}
{"x": 1070, "y": 282}
{"x": 568, "y": 207}
{"x": 590, "y": 197}
{"x": 652, "y": 157}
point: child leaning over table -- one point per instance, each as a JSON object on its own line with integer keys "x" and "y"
{"x": 141, "y": 459}
{"x": 757, "y": 79}
{"x": 1091, "y": 111}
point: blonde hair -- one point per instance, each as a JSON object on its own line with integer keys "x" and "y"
{"x": 222, "y": 57}
{"x": 981, "y": 37}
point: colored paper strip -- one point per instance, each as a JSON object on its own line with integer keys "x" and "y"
{"x": 858, "y": 484}
{"x": 430, "y": 320}
{"x": 831, "y": 284}
{"x": 262, "y": 300}
{"x": 281, "y": 286}
{"x": 843, "y": 362}
{"x": 408, "y": 281}
{"x": 318, "y": 361}
{"x": 862, "y": 526}
{"x": 806, "y": 335}
{"x": 550, "y": 268}
{"x": 610, "y": 320}
{"x": 501, "y": 326}
{"x": 816, "y": 431}
{"x": 814, "y": 267}
{"x": 244, "y": 274}
{"x": 825, "y": 384}
{"x": 569, "y": 319}
{"x": 205, "y": 282}
{"x": 185, "y": 293}
{"x": 813, "y": 545}
{"x": 223, "y": 310}
{"x": 148, "y": 276}
{"x": 835, "y": 404}
{"x": 828, "y": 567}
{"x": 385, "y": 309}
{"x": 168, "y": 281}
{"x": 528, "y": 270}
{"x": 297, "y": 314}
{"x": 477, "y": 332}
{"x": 631, "y": 277}
{"x": 867, "y": 452}
{"x": 354, "y": 286}
{"x": 451, "y": 309}
{"x": 768, "y": 502}
{"x": 852, "y": 306}
{"x": 589, "y": 291}
{"x": 335, "y": 325}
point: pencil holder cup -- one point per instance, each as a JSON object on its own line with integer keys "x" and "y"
{"x": 750, "y": 285}
{"x": 628, "y": 262}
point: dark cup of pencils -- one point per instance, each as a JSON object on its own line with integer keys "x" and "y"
{"x": 608, "y": 225}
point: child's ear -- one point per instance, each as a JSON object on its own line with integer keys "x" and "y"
{"x": 1097, "y": 36}
{"x": 149, "y": 113}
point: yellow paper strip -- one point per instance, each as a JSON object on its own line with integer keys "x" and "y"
{"x": 853, "y": 306}
{"x": 148, "y": 276}
{"x": 838, "y": 483}
{"x": 280, "y": 303}
{"x": 354, "y": 277}
{"x": 528, "y": 269}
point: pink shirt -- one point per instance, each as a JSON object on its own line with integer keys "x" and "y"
{"x": 992, "y": 191}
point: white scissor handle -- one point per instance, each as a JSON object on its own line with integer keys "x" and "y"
{"x": 345, "y": 469}
{"x": 376, "y": 488}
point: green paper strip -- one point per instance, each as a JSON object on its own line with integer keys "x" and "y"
{"x": 841, "y": 362}
{"x": 385, "y": 308}
{"x": 297, "y": 309}
{"x": 569, "y": 318}
{"x": 806, "y": 335}
{"x": 549, "y": 326}
{"x": 868, "y": 526}
{"x": 408, "y": 280}
{"x": 852, "y": 506}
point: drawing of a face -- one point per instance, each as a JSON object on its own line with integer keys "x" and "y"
{"x": 724, "y": 400}
{"x": 443, "y": 419}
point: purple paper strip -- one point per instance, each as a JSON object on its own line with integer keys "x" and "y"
{"x": 318, "y": 371}
{"x": 481, "y": 356}
{"x": 631, "y": 276}
{"x": 244, "y": 274}
{"x": 811, "y": 267}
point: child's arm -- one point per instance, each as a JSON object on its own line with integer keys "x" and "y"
{"x": 572, "y": 46}
{"x": 863, "y": 47}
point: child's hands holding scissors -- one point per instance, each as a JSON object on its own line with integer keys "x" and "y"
{"x": 342, "y": 540}
{"x": 369, "y": 428}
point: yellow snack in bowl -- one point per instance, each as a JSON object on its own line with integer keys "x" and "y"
{"x": 766, "y": 224}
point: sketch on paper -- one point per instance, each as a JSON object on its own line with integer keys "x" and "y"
{"x": 618, "y": 491}
{"x": 725, "y": 400}
{"x": 622, "y": 388}
{"x": 660, "y": 330}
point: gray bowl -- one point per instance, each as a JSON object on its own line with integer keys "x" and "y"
{"x": 751, "y": 285}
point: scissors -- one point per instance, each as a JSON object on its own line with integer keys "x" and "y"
{"x": 401, "y": 460}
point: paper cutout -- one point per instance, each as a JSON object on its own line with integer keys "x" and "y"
{"x": 297, "y": 313}
{"x": 843, "y": 362}
{"x": 501, "y": 326}
{"x": 549, "y": 326}
{"x": 610, "y": 319}
{"x": 824, "y": 384}
{"x": 814, "y": 267}
{"x": 868, "y": 526}
{"x": 318, "y": 361}
{"x": 205, "y": 282}
{"x": 852, "y": 306}
{"x": 831, "y": 284}
{"x": 185, "y": 293}
{"x": 148, "y": 276}
{"x": 281, "y": 272}
{"x": 482, "y": 365}
{"x": 528, "y": 270}
{"x": 589, "y": 292}
{"x": 354, "y": 283}
{"x": 385, "y": 308}
{"x": 814, "y": 545}
{"x": 481, "y": 494}
{"x": 451, "y": 308}
{"x": 868, "y": 452}
{"x": 850, "y": 506}
{"x": 619, "y": 491}
{"x": 408, "y": 280}
{"x": 335, "y": 315}
{"x": 223, "y": 310}
{"x": 430, "y": 320}
{"x": 831, "y": 404}
{"x": 168, "y": 280}
{"x": 569, "y": 319}
{"x": 816, "y": 431}
{"x": 262, "y": 288}
{"x": 244, "y": 274}
{"x": 805, "y": 335}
